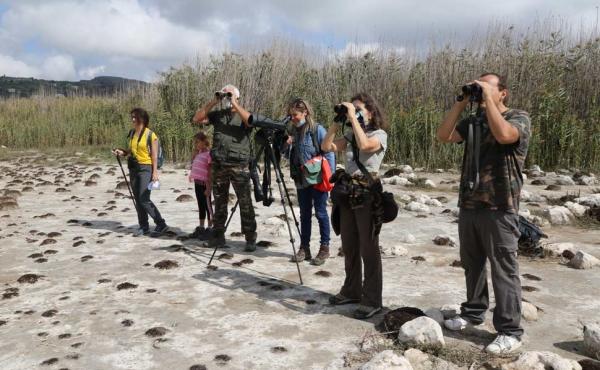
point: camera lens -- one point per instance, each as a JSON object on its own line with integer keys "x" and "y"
{"x": 340, "y": 109}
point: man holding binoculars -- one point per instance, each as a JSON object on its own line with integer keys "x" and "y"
{"x": 496, "y": 141}
{"x": 231, "y": 154}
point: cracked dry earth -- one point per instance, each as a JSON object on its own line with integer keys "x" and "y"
{"x": 79, "y": 291}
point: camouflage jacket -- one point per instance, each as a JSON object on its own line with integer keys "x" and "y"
{"x": 500, "y": 166}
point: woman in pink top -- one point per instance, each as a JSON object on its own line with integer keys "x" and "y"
{"x": 200, "y": 175}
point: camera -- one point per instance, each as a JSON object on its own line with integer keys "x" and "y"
{"x": 221, "y": 94}
{"x": 473, "y": 91}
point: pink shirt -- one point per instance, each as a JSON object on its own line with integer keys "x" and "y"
{"x": 201, "y": 166}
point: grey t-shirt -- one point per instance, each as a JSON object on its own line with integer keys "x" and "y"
{"x": 371, "y": 161}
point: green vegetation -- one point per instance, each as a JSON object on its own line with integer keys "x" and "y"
{"x": 553, "y": 75}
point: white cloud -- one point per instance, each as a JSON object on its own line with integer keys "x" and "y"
{"x": 16, "y": 68}
{"x": 108, "y": 28}
{"x": 88, "y": 73}
{"x": 59, "y": 67}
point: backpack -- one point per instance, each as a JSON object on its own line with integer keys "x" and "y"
{"x": 160, "y": 157}
{"x": 529, "y": 241}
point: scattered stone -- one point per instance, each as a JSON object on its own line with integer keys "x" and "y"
{"x": 577, "y": 209}
{"x": 225, "y": 256}
{"x": 587, "y": 364}
{"x": 422, "y": 330}
{"x": 541, "y": 360}
{"x": 418, "y": 258}
{"x": 247, "y": 261}
{"x": 29, "y": 278}
{"x": 394, "y": 251}
{"x": 539, "y": 182}
{"x": 532, "y": 277}
{"x": 592, "y": 200}
{"x": 445, "y": 240}
{"x": 558, "y": 215}
{"x": 265, "y": 244}
{"x": 86, "y": 258}
{"x": 564, "y": 180}
{"x": 127, "y": 323}
{"x": 156, "y": 332}
{"x": 527, "y": 288}
{"x": 436, "y": 314}
{"x": 126, "y": 285}
{"x": 198, "y": 367}
{"x": 557, "y": 249}
{"x": 184, "y": 198}
{"x": 583, "y": 261}
{"x": 422, "y": 361}
{"x": 166, "y": 265}
{"x": 222, "y": 359}
{"x": 279, "y": 349}
{"x": 529, "y": 311}
{"x": 417, "y": 207}
{"x": 553, "y": 187}
{"x": 450, "y": 310}
{"x": 387, "y": 360}
{"x": 64, "y": 336}
{"x": 49, "y": 313}
{"x": 48, "y": 241}
{"x": 323, "y": 273}
{"x": 591, "y": 340}
{"x": 50, "y": 361}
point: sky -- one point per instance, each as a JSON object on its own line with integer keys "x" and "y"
{"x": 82, "y": 39}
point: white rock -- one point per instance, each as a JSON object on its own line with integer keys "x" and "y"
{"x": 564, "y": 180}
{"x": 450, "y": 310}
{"x": 337, "y": 364}
{"x": 410, "y": 176}
{"x": 433, "y": 203}
{"x": 557, "y": 249}
{"x": 583, "y": 261}
{"x": 436, "y": 314}
{"x": 421, "y": 198}
{"x": 405, "y": 169}
{"x": 576, "y": 208}
{"x": 524, "y": 176}
{"x": 592, "y": 200}
{"x": 387, "y": 360}
{"x": 525, "y": 212}
{"x": 406, "y": 237}
{"x": 439, "y": 170}
{"x": 404, "y": 198}
{"x": 417, "y": 207}
{"x": 558, "y": 215}
{"x": 395, "y": 180}
{"x": 430, "y": 184}
{"x": 541, "y": 361}
{"x": 455, "y": 212}
{"x": 422, "y": 330}
{"x": 422, "y": 361}
{"x": 444, "y": 240}
{"x": 529, "y": 311}
{"x": 591, "y": 340}
{"x": 395, "y": 251}
{"x": 587, "y": 180}
{"x": 535, "y": 167}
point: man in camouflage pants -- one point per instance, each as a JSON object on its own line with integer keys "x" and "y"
{"x": 488, "y": 224}
{"x": 231, "y": 154}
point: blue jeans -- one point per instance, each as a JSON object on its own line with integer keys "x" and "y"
{"x": 307, "y": 198}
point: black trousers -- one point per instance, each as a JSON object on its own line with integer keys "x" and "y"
{"x": 203, "y": 202}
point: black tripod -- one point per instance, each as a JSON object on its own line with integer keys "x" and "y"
{"x": 267, "y": 148}
{"x": 473, "y": 147}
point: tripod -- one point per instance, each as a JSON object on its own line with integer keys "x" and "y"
{"x": 270, "y": 159}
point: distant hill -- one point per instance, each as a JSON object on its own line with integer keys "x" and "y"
{"x": 26, "y": 87}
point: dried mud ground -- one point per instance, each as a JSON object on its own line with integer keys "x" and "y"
{"x": 96, "y": 300}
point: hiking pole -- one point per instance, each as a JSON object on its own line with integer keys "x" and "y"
{"x": 126, "y": 181}
{"x": 226, "y": 226}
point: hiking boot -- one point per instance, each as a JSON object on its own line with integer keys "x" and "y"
{"x": 457, "y": 323}
{"x": 303, "y": 254}
{"x": 197, "y": 232}
{"x": 503, "y": 344}
{"x": 159, "y": 230}
{"x": 141, "y": 232}
{"x": 250, "y": 246}
{"x": 217, "y": 239}
{"x": 321, "y": 257}
{"x": 365, "y": 312}
{"x": 205, "y": 235}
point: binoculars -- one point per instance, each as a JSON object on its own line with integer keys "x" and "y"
{"x": 221, "y": 94}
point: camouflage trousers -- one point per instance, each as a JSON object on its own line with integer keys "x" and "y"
{"x": 238, "y": 176}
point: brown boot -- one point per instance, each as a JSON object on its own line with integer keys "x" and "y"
{"x": 321, "y": 256}
{"x": 303, "y": 254}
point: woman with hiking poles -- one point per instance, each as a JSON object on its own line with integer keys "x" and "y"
{"x": 142, "y": 152}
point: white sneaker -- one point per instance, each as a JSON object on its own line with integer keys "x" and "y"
{"x": 457, "y": 323}
{"x": 503, "y": 344}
